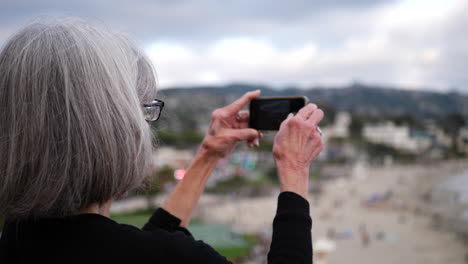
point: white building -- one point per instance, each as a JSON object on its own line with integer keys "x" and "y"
{"x": 440, "y": 136}
{"x": 398, "y": 137}
{"x": 340, "y": 127}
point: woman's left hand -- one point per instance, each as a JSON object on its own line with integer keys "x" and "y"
{"x": 229, "y": 125}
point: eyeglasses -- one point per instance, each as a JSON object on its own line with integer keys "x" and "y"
{"x": 152, "y": 111}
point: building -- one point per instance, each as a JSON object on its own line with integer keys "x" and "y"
{"x": 398, "y": 137}
{"x": 340, "y": 127}
{"x": 440, "y": 137}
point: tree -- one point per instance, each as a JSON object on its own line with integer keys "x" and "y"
{"x": 329, "y": 113}
{"x": 452, "y": 123}
{"x": 408, "y": 119}
{"x": 356, "y": 126}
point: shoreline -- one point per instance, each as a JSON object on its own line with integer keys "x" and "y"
{"x": 352, "y": 221}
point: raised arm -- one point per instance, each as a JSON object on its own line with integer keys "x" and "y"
{"x": 296, "y": 145}
{"x": 228, "y": 126}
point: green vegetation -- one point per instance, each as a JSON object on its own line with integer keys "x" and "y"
{"x": 451, "y": 124}
{"x": 380, "y": 151}
{"x": 229, "y": 185}
{"x": 330, "y": 111}
{"x": 315, "y": 175}
{"x": 265, "y": 145}
{"x": 182, "y": 139}
{"x": 138, "y": 219}
{"x": 272, "y": 175}
{"x": 227, "y": 243}
{"x": 356, "y": 126}
{"x": 251, "y": 187}
{"x": 409, "y": 120}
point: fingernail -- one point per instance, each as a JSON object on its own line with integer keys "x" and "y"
{"x": 257, "y": 142}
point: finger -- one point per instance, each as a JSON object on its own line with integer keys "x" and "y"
{"x": 243, "y": 116}
{"x": 253, "y": 143}
{"x": 256, "y": 141}
{"x": 241, "y": 102}
{"x": 290, "y": 115}
{"x": 307, "y": 111}
{"x": 244, "y": 124}
{"x": 243, "y": 119}
{"x": 316, "y": 117}
{"x": 317, "y": 151}
{"x": 248, "y": 134}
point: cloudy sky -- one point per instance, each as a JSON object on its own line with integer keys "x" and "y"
{"x": 411, "y": 44}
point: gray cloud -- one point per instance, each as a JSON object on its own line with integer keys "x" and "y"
{"x": 367, "y": 40}
{"x": 453, "y": 40}
{"x": 187, "y": 20}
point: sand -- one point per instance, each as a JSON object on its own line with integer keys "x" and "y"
{"x": 398, "y": 229}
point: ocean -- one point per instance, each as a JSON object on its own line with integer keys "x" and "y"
{"x": 459, "y": 185}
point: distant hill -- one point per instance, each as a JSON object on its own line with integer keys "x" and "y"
{"x": 192, "y": 105}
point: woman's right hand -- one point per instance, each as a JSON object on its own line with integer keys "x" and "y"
{"x": 296, "y": 145}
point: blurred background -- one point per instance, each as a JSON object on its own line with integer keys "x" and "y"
{"x": 391, "y": 185}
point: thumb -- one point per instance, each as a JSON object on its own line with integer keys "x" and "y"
{"x": 244, "y": 134}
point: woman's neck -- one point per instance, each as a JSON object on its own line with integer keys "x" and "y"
{"x": 96, "y": 208}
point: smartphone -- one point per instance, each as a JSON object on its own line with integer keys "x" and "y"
{"x": 267, "y": 113}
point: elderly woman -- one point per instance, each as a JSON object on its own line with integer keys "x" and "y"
{"x": 73, "y": 138}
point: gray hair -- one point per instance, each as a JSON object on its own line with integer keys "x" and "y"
{"x": 72, "y": 130}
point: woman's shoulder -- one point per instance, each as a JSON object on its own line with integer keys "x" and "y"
{"x": 97, "y": 236}
{"x": 89, "y": 234}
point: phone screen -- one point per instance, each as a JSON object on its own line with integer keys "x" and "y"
{"x": 266, "y": 114}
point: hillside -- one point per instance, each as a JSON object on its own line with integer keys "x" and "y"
{"x": 191, "y": 106}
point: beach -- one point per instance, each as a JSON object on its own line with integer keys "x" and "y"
{"x": 375, "y": 214}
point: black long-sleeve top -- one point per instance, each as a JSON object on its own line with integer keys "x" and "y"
{"x": 93, "y": 238}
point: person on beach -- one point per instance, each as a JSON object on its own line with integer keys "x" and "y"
{"x": 75, "y": 101}
{"x": 365, "y": 236}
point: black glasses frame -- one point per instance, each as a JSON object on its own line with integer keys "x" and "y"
{"x": 156, "y": 105}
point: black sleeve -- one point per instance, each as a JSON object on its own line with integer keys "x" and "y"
{"x": 291, "y": 242}
{"x": 292, "y": 238}
{"x": 179, "y": 243}
{"x": 162, "y": 219}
